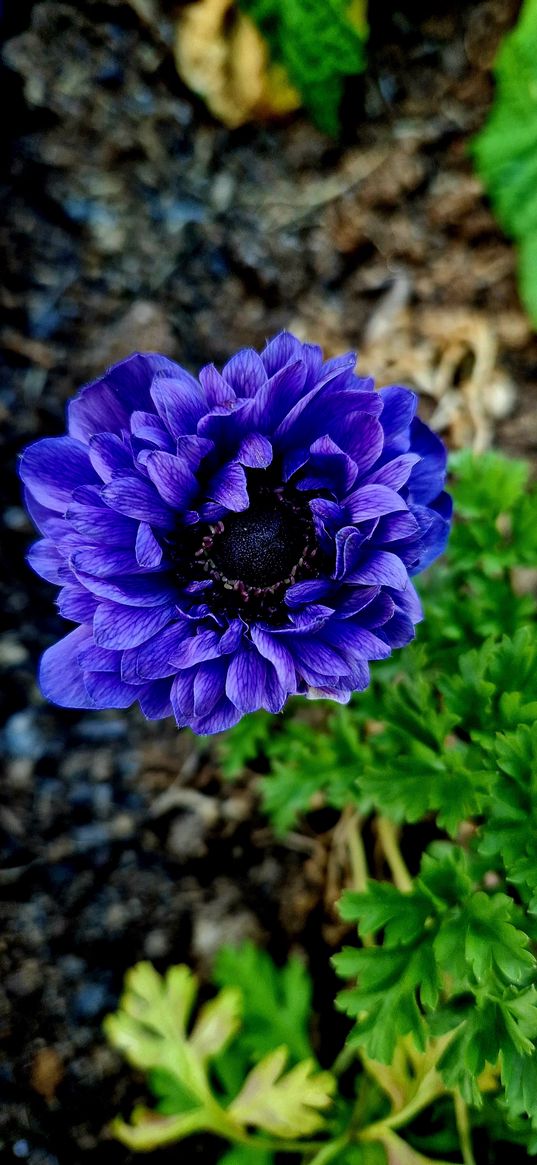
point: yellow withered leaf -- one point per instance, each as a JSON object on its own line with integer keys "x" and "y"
{"x": 222, "y": 57}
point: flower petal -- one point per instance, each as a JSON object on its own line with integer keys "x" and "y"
{"x": 60, "y": 674}
{"x": 371, "y": 501}
{"x": 105, "y": 406}
{"x": 53, "y": 468}
{"x": 228, "y": 487}
{"x": 179, "y": 401}
{"x": 147, "y": 549}
{"x": 245, "y": 372}
{"x": 137, "y": 498}
{"x": 118, "y": 627}
{"x": 173, "y": 479}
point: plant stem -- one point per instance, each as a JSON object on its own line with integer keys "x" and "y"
{"x": 430, "y": 1088}
{"x": 464, "y": 1129}
{"x": 400, "y": 1151}
{"x": 387, "y": 833}
{"x": 328, "y": 1152}
{"x": 355, "y": 846}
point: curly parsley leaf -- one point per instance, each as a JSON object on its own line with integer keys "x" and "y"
{"x": 320, "y": 43}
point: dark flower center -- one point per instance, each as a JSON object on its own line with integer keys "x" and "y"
{"x": 253, "y": 557}
{"x": 261, "y": 546}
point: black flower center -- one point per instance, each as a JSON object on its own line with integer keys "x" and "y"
{"x": 262, "y": 546}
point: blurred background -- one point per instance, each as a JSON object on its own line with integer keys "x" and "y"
{"x": 178, "y": 178}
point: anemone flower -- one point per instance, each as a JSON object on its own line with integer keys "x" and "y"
{"x": 228, "y": 541}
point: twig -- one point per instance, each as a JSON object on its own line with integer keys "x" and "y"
{"x": 387, "y": 834}
{"x": 464, "y": 1129}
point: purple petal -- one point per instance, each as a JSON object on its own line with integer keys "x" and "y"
{"x": 98, "y": 659}
{"x": 104, "y": 560}
{"x": 409, "y": 603}
{"x": 342, "y": 696}
{"x": 399, "y": 407}
{"x": 399, "y": 630}
{"x": 278, "y": 654}
{"x": 307, "y": 592}
{"x": 328, "y": 467}
{"x": 133, "y": 590}
{"x": 393, "y": 527}
{"x": 60, "y": 674}
{"x": 276, "y": 397}
{"x": 47, "y": 561}
{"x": 231, "y": 638}
{"x": 105, "y": 406}
{"x": 139, "y": 499}
{"x": 228, "y": 487}
{"x": 245, "y": 680}
{"x": 217, "y": 390}
{"x": 255, "y": 451}
{"x": 77, "y": 604}
{"x": 356, "y": 642}
{"x": 179, "y": 402}
{"x": 311, "y": 653}
{"x": 396, "y": 472}
{"x": 222, "y": 717}
{"x": 362, "y": 439}
{"x": 155, "y": 700}
{"x": 209, "y": 686}
{"x": 371, "y": 501}
{"x": 349, "y": 542}
{"x": 151, "y": 660}
{"x": 245, "y": 372}
{"x": 359, "y": 599}
{"x": 53, "y": 468}
{"x": 48, "y": 522}
{"x": 172, "y": 478}
{"x": 100, "y": 523}
{"x": 149, "y": 427}
{"x": 108, "y": 453}
{"x": 280, "y": 351}
{"x": 182, "y": 696}
{"x": 427, "y": 477}
{"x": 109, "y": 691}
{"x": 193, "y": 449}
{"x": 382, "y": 568}
{"x": 120, "y": 627}
{"x": 203, "y": 646}
{"x": 148, "y": 550}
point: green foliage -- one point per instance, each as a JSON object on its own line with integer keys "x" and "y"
{"x": 421, "y": 739}
{"x": 320, "y": 42}
{"x": 151, "y": 1027}
{"x": 506, "y": 149}
{"x": 453, "y": 959}
{"x": 442, "y": 988}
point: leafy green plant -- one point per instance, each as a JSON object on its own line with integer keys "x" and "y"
{"x": 505, "y": 151}
{"x": 320, "y": 42}
{"x": 441, "y": 980}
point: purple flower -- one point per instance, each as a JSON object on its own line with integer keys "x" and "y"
{"x": 230, "y": 541}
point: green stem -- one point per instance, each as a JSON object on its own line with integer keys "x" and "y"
{"x": 430, "y": 1089}
{"x": 400, "y": 1150}
{"x": 355, "y": 846}
{"x": 387, "y": 833}
{"x": 464, "y": 1129}
{"x": 328, "y": 1152}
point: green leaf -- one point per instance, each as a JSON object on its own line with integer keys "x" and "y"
{"x": 320, "y": 42}
{"x": 284, "y": 1104}
{"x": 242, "y": 1155}
{"x": 276, "y": 1000}
{"x": 505, "y": 151}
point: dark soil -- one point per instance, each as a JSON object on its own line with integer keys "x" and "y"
{"x": 131, "y": 220}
